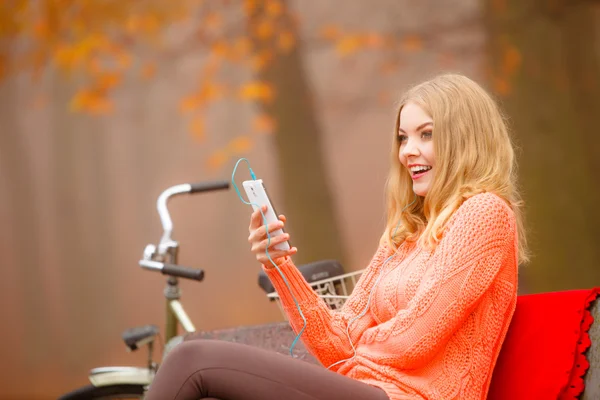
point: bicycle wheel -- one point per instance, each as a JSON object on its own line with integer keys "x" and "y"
{"x": 92, "y": 392}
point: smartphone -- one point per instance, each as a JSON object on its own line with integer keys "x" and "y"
{"x": 258, "y": 197}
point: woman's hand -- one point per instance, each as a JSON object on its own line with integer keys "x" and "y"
{"x": 258, "y": 239}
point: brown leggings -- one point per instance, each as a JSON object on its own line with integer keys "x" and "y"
{"x": 219, "y": 370}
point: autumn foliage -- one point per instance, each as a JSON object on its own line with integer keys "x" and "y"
{"x": 100, "y": 43}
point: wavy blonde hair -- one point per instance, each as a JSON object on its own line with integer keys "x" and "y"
{"x": 473, "y": 154}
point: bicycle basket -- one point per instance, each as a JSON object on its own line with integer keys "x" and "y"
{"x": 334, "y": 290}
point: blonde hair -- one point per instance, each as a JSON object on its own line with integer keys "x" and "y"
{"x": 473, "y": 154}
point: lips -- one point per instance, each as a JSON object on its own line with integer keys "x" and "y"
{"x": 419, "y": 171}
{"x": 419, "y": 174}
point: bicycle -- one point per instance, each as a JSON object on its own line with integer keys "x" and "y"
{"x": 121, "y": 382}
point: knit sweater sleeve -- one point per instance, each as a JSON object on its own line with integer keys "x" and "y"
{"x": 325, "y": 335}
{"x": 479, "y": 242}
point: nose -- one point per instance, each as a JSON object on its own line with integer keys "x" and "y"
{"x": 410, "y": 148}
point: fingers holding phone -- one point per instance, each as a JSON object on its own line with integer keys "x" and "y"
{"x": 259, "y": 240}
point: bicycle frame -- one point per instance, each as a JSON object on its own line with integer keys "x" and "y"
{"x": 167, "y": 252}
{"x": 154, "y": 258}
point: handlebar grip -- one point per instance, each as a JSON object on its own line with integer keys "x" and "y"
{"x": 183, "y": 272}
{"x": 208, "y": 186}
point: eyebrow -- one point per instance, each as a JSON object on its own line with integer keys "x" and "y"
{"x": 419, "y": 127}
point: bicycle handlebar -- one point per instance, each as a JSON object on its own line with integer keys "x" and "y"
{"x": 208, "y": 186}
{"x": 186, "y": 188}
{"x": 179, "y": 271}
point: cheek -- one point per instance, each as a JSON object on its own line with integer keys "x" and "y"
{"x": 401, "y": 157}
{"x": 429, "y": 153}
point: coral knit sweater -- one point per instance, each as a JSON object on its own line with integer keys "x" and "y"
{"x": 436, "y": 319}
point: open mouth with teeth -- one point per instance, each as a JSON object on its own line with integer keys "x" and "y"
{"x": 419, "y": 171}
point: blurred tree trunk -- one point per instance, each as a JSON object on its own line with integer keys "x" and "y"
{"x": 23, "y": 226}
{"x": 544, "y": 62}
{"x": 81, "y": 203}
{"x": 307, "y": 195}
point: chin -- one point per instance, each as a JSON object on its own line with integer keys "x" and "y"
{"x": 420, "y": 191}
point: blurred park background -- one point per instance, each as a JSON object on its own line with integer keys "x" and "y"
{"x": 105, "y": 103}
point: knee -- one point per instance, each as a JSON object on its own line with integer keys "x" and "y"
{"x": 189, "y": 352}
{"x": 179, "y": 376}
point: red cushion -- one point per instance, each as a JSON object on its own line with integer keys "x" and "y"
{"x": 542, "y": 355}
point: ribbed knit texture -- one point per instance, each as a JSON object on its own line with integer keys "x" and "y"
{"x": 437, "y": 318}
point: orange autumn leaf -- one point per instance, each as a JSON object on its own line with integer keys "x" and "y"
{"x": 142, "y": 23}
{"x": 40, "y": 28}
{"x": 220, "y": 48}
{"x": 264, "y": 124}
{"x": 511, "y": 60}
{"x": 261, "y": 60}
{"x": 217, "y": 159}
{"x": 149, "y": 23}
{"x": 100, "y": 106}
{"x": 241, "y": 144}
{"x": 348, "y": 45}
{"x": 68, "y": 57}
{"x": 274, "y": 8}
{"x": 257, "y": 91}
{"x": 250, "y": 6}
{"x": 210, "y": 91}
{"x": 190, "y": 103}
{"x": 286, "y": 41}
{"x": 123, "y": 59}
{"x": 242, "y": 46}
{"x": 412, "y": 43}
{"x": 213, "y": 21}
{"x": 264, "y": 29}
{"x": 132, "y": 24}
{"x": 374, "y": 40}
{"x": 502, "y": 86}
{"x": 330, "y": 32}
{"x": 91, "y": 101}
{"x": 108, "y": 81}
{"x": 94, "y": 65}
{"x": 79, "y": 100}
{"x": 196, "y": 127}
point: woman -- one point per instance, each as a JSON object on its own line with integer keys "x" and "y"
{"x": 429, "y": 314}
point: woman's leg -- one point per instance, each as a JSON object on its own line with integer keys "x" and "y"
{"x": 201, "y": 369}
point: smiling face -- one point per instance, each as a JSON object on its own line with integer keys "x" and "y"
{"x": 416, "y": 154}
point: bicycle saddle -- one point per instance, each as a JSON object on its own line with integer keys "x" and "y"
{"x": 136, "y": 337}
{"x": 312, "y": 272}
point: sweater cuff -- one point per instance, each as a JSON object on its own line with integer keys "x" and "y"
{"x": 300, "y": 289}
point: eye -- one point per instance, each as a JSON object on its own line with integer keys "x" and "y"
{"x": 426, "y": 135}
{"x": 402, "y": 138}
